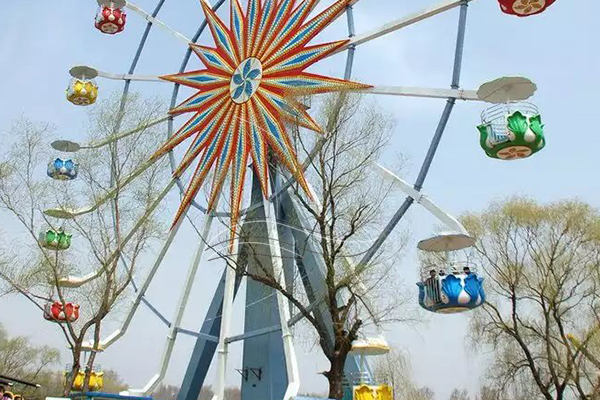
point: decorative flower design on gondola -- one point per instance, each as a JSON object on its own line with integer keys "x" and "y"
{"x": 82, "y": 92}
{"x": 524, "y": 8}
{"x": 62, "y": 169}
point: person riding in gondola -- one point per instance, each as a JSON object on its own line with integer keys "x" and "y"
{"x": 433, "y": 287}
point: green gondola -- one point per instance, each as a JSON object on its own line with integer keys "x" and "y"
{"x": 509, "y": 134}
{"x": 55, "y": 239}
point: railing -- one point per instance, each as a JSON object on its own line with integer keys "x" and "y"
{"x": 495, "y": 118}
{"x": 445, "y": 268}
{"x": 357, "y": 378}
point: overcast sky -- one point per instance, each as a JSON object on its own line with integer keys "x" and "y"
{"x": 40, "y": 40}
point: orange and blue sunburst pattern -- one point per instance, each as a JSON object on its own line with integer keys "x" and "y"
{"x": 243, "y": 96}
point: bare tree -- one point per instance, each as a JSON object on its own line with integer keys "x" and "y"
{"x": 232, "y": 393}
{"x": 541, "y": 263}
{"x": 459, "y": 394}
{"x": 426, "y": 393}
{"x": 167, "y": 392}
{"x": 19, "y": 358}
{"x": 101, "y": 246}
{"x": 349, "y": 204}
{"x": 394, "y": 369}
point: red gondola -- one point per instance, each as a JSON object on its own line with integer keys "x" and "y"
{"x": 54, "y": 312}
{"x": 524, "y": 8}
{"x": 111, "y": 18}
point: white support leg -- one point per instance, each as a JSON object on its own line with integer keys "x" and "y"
{"x": 226, "y": 314}
{"x": 291, "y": 362}
{"x": 179, "y": 311}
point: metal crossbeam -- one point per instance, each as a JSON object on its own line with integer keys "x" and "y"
{"x": 199, "y": 335}
{"x": 258, "y": 332}
{"x": 155, "y": 311}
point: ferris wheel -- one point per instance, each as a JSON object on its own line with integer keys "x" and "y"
{"x": 237, "y": 114}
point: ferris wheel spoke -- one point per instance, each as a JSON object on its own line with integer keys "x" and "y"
{"x": 112, "y": 338}
{"x": 129, "y": 77}
{"x": 425, "y": 92}
{"x": 71, "y": 147}
{"x": 155, "y": 21}
{"x": 66, "y": 213}
{"x": 179, "y": 310}
{"x": 76, "y": 281}
{"x": 452, "y": 223}
{"x": 459, "y": 50}
{"x": 401, "y": 23}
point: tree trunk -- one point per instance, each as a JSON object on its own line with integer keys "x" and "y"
{"x": 335, "y": 376}
{"x": 89, "y": 368}
{"x": 70, "y": 378}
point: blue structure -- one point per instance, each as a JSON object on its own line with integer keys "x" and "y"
{"x": 453, "y": 293}
{"x": 63, "y": 170}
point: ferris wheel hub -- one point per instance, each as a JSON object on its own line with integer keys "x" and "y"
{"x": 245, "y": 80}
